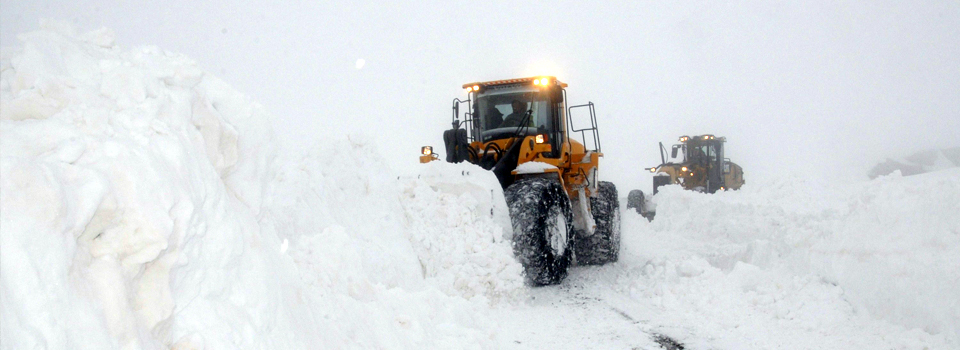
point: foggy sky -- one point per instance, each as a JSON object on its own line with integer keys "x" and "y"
{"x": 818, "y": 89}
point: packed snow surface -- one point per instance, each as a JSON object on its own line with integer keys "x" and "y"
{"x": 145, "y": 204}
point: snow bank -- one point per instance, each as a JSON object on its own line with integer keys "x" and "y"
{"x": 394, "y": 262}
{"x": 461, "y": 229}
{"x": 144, "y": 207}
{"x": 802, "y": 252}
{"x": 445, "y": 224}
{"x": 131, "y": 184}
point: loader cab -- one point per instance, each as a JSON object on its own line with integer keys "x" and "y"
{"x": 517, "y": 110}
{"x": 705, "y": 152}
{"x": 700, "y": 149}
{"x": 505, "y": 123}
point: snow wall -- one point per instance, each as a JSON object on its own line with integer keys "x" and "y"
{"x": 144, "y": 206}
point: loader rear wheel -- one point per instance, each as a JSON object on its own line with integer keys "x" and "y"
{"x": 604, "y": 245}
{"x": 542, "y": 228}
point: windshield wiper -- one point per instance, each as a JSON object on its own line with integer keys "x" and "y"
{"x": 523, "y": 122}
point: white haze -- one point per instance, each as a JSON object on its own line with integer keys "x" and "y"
{"x": 817, "y": 89}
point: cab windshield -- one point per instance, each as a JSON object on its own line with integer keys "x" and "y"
{"x": 501, "y": 112}
{"x": 701, "y": 152}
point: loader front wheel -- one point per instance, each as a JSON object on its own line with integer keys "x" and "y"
{"x": 542, "y": 228}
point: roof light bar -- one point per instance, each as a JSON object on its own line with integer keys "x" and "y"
{"x": 539, "y": 81}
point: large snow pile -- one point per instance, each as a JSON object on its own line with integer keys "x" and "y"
{"x": 130, "y": 202}
{"x": 377, "y": 270}
{"x": 460, "y": 227}
{"x": 143, "y": 206}
{"x": 793, "y": 257}
{"x": 394, "y": 262}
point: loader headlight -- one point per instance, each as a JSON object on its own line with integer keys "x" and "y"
{"x": 684, "y": 169}
{"x": 684, "y": 138}
{"x": 652, "y": 170}
{"x": 541, "y": 138}
{"x": 426, "y": 150}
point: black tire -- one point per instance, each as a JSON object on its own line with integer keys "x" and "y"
{"x": 604, "y": 245}
{"x": 636, "y": 201}
{"x": 542, "y": 228}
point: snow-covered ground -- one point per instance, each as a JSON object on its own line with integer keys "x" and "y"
{"x": 145, "y": 204}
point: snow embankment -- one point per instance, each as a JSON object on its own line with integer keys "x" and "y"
{"x": 411, "y": 262}
{"x": 144, "y": 206}
{"x": 131, "y": 185}
{"x": 812, "y": 257}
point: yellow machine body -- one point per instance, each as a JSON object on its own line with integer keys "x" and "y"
{"x": 696, "y": 172}
{"x": 576, "y": 166}
{"x": 573, "y": 167}
{"x": 522, "y": 131}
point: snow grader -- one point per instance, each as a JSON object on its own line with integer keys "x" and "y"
{"x": 703, "y": 169}
{"x": 547, "y": 163}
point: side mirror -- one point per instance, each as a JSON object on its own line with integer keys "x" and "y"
{"x": 674, "y": 153}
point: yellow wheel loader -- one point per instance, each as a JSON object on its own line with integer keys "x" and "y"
{"x": 703, "y": 168}
{"x": 524, "y": 131}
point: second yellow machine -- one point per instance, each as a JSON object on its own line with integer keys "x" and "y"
{"x": 703, "y": 168}
{"x": 524, "y": 131}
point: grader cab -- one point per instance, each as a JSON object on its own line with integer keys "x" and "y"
{"x": 547, "y": 162}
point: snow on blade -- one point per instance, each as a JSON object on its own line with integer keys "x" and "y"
{"x": 534, "y": 168}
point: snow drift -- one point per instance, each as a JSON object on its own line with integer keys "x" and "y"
{"x": 131, "y": 187}
{"x": 143, "y": 207}
{"x": 814, "y": 255}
